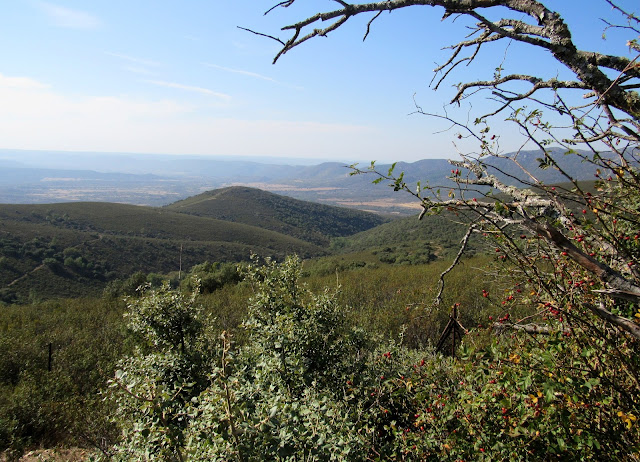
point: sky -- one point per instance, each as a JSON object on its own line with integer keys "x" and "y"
{"x": 169, "y": 77}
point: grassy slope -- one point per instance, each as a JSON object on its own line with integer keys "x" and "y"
{"x": 441, "y": 232}
{"x": 115, "y": 240}
{"x": 307, "y": 221}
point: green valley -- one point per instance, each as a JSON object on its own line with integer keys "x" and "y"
{"x": 73, "y": 249}
{"x": 197, "y": 304}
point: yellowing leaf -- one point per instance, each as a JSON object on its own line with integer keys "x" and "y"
{"x": 627, "y": 418}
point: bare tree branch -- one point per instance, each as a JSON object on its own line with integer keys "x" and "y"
{"x": 623, "y": 323}
{"x": 551, "y": 33}
{"x": 537, "y": 82}
{"x": 262, "y": 35}
{"x": 463, "y": 247}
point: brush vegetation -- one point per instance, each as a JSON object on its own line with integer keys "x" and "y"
{"x": 75, "y": 249}
{"x": 327, "y": 358}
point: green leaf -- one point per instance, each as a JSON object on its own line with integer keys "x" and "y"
{"x": 391, "y": 168}
{"x": 561, "y": 444}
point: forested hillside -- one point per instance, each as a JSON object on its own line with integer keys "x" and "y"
{"x": 73, "y": 249}
{"x": 308, "y": 221}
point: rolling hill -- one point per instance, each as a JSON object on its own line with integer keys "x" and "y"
{"x": 308, "y": 221}
{"x": 71, "y": 249}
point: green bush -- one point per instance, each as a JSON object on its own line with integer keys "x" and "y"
{"x": 212, "y": 276}
{"x": 61, "y": 406}
{"x": 306, "y": 385}
{"x": 153, "y": 387}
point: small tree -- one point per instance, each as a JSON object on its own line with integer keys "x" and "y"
{"x": 279, "y": 396}
{"x": 153, "y": 388}
{"x": 572, "y": 249}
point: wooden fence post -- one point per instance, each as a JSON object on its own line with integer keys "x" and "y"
{"x": 453, "y": 329}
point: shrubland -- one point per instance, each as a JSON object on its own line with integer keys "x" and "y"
{"x": 311, "y": 377}
{"x": 334, "y": 360}
{"x": 70, "y": 405}
{"x": 54, "y": 357}
{"x": 295, "y": 363}
{"x": 552, "y": 372}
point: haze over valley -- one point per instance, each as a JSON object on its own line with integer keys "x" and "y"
{"x": 38, "y": 177}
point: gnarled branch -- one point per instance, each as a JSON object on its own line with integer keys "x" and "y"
{"x": 549, "y": 32}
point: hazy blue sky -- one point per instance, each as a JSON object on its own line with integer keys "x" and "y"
{"x": 157, "y": 76}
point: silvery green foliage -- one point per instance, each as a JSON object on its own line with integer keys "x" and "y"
{"x": 154, "y": 388}
{"x": 282, "y": 396}
{"x": 165, "y": 319}
{"x": 303, "y": 386}
{"x": 305, "y": 335}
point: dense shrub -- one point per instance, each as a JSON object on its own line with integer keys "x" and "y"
{"x": 49, "y": 403}
{"x": 306, "y": 385}
{"x": 212, "y": 276}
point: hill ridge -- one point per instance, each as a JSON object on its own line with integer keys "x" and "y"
{"x": 309, "y": 221}
{"x": 80, "y": 246}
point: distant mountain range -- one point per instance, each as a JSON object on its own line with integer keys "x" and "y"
{"x": 40, "y": 177}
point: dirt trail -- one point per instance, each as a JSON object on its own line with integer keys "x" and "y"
{"x": 25, "y": 275}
